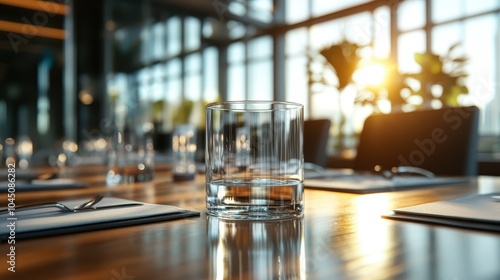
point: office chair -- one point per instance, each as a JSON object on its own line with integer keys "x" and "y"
{"x": 316, "y": 134}
{"x": 443, "y": 141}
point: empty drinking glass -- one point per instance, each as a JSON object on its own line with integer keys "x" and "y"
{"x": 254, "y": 160}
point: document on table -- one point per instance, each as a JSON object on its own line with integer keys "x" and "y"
{"x": 369, "y": 183}
{"x": 50, "y": 184}
{"x": 480, "y": 211}
{"x": 52, "y": 221}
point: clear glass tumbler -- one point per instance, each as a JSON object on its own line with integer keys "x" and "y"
{"x": 254, "y": 160}
{"x": 130, "y": 144}
{"x": 184, "y": 150}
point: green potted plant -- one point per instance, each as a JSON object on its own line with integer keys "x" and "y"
{"x": 342, "y": 58}
{"x": 441, "y": 78}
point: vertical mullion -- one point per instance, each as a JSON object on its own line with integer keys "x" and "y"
{"x": 166, "y": 62}
{"x": 246, "y": 61}
{"x": 69, "y": 77}
{"x": 108, "y": 59}
{"x": 495, "y": 109}
{"x": 428, "y": 25}
{"x": 279, "y": 52}
{"x": 222, "y": 66}
{"x": 394, "y": 32}
{"x": 202, "y": 71}
{"x": 246, "y": 64}
{"x": 182, "y": 57}
{"x": 308, "y": 67}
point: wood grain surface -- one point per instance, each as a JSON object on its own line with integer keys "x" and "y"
{"x": 341, "y": 236}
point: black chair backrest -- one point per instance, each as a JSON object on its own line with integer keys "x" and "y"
{"x": 316, "y": 134}
{"x": 443, "y": 141}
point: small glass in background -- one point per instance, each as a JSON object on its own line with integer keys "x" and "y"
{"x": 131, "y": 156}
{"x": 24, "y": 151}
{"x": 243, "y": 150}
{"x": 9, "y": 151}
{"x": 2, "y": 162}
{"x": 130, "y": 145}
{"x": 64, "y": 156}
{"x": 184, "y": 151}
{"x": 93, "y": 151}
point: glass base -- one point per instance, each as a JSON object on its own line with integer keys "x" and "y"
{"x": 255, "y": 212}
{"x": 180, "y": 177}
{"x": 128, "y": 175}
{"x": 255, "y": 199}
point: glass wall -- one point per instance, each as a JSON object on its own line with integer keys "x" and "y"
{"x": 472, "y": 25}
{"x": 174, "y": 69}
{"x": 271, "y": 50}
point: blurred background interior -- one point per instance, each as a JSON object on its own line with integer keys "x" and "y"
{"x": 63, "y": 65}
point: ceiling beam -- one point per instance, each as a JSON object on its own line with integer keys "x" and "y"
{"x": 366, "y": 7}
{"x": 44, "y": 6}
{"x": 218, "y": 10}
{"x": 28, "y": 30}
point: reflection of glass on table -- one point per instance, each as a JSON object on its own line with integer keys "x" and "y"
{"x": 256, "y": 249}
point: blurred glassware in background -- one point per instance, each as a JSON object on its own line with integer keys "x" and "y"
{"x": 70, "y": 149}
{"x": 24, "y": 151}
{"x": 130, "y": 144}
{"x": 243, "y": 150}
{"x": 10, "y": 151}
{"x": 2, "y": 162}
{"x": 184, "y": 150}
{"x": 64, "y": 156}
{"x": 93, "y": 151}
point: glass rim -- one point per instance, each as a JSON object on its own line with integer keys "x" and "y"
{"x": 225, "y": 105}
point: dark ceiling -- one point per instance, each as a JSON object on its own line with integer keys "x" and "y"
{"x": 26, "y": 36}
{"x": 21, "y": 52}
{"x": 31, "y": 31}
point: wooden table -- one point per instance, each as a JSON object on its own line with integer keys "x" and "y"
{"x": 341, "y": 236}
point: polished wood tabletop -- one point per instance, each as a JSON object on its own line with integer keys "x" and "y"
{"x": 341, "y": 236}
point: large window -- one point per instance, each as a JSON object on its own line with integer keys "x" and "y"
{"x": 269, "y": 48}
{"x": 250, "y": 71}
{"x": 176, "y": 68}
{"x": 236, "y": 71}
{"x": 483, "y": 50}
{"x": 474, "y": 25}
{"x": 302, "y": 45}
